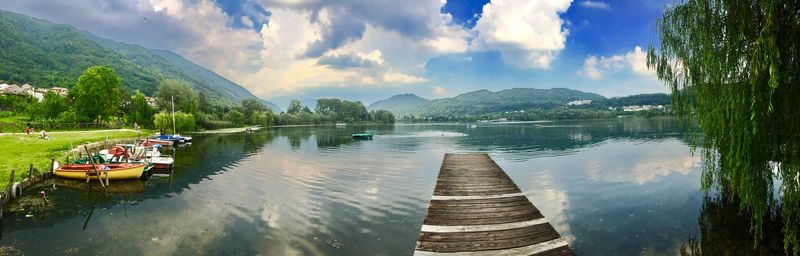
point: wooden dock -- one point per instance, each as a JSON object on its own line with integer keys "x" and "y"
{"x": 476, "y": 209}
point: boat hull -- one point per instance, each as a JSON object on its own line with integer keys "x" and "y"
{"x": 151, "y": 142}
{"x": 115, "y": 171}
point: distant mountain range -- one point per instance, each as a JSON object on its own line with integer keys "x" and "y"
{"x": 400, "y": 104}
{"x": 47, "y": 54}
{"x": 485, "y": 102}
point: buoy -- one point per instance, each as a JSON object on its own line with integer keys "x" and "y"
{"x": 16, "y": 190}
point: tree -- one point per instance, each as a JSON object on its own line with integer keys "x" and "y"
{"x": 250, "y": 106}
{"x": 96, "y": 94}
{"x": 53, "y": 105}
{"x": 183, "y": 121}
{"x": 263, "y": 118}
{"x": 235, "y": 117}
{"x": 294, "y": 107}
{"x": 185, "y": 98}
{"x": 732, "y": 67}
{"x": 381, "y": 116}
{"x": 140, "y": 112}
{"x": 202, "y": 103}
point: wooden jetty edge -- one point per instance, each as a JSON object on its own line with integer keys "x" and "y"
{"x": 476, "y": 209}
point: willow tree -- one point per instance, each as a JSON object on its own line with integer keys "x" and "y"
{"x": 733, "y": 69}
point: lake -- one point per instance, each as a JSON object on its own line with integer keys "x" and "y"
{"x": 611, "y": 187}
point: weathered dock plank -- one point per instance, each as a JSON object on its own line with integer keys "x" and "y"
{"x": 476, "y": 209}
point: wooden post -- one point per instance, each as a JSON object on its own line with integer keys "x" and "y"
{"x": 91, "y": 160}
{"x": 53, "y": 163}
{"x": 11, "y": 179}
{"x": 30, "y": 171}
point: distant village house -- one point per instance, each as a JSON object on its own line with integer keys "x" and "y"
{"x": 26, "y": 89}
{"x": 151, "y": 102}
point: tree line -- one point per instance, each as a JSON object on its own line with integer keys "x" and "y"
{"x": 332, "y": 111}
{"x": 97, "y": 97}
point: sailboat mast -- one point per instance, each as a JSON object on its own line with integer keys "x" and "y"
{"x": 172, "y": 99}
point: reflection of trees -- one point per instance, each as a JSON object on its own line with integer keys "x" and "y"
{"x": 328, "y": 136}
{"x": 724, "y": 230}
{"x": 522, "y": 138}
{"x": 295, "y": 135}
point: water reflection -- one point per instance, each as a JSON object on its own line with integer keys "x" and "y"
{"x": 724, "y": 230}
{"x": 612, "y": 187}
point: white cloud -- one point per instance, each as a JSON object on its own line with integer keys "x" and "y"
{"x": 367, "y": 80}
{"x": 527, "y": 33}
{"x": 397, "y": 77}
{"x": 439, "y": 91}
{"x": 590, "y": 69}
{"x": 247, "y": 21}
{"x": 636, "y": 61}
{"x": 595, "y": 4}
{"x": 338, "y": 59}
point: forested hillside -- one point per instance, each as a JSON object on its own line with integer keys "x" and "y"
{"x": 485, "y": 101}
{"x": 46, "y": 54}
{"x": 400, "y": 104}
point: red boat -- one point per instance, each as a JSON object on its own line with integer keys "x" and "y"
{"x": 150, "y": 142}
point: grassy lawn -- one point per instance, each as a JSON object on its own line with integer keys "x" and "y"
{"x": 18, "y": 151}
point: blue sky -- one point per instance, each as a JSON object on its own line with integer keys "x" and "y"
{"x": 372, "y": 49}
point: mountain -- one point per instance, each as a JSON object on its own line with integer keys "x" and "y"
{"x": 220, "y": 84}
{"x": 46, "y": 54}
{"x": 400, "y": 104}
{"x": 484, "y": 101}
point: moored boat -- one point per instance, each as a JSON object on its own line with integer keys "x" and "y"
{"x": 174, "y": 138}
{"x": 161, "y": 164}
{"x": 362, "y": 136}
{"x": 121, "y": 171}
{"x": 151, "y": 142}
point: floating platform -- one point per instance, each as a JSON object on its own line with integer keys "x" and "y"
{"x": 476, "y": 209}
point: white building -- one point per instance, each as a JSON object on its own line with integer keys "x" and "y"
{"x": 579, "y": 102}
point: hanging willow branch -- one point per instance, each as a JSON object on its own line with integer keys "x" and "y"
{"x": 733, "y": 69}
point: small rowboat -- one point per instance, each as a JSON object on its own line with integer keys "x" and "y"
{"x": 174, "y": 138}
{"x": 150, "y": 142}
{"x": 123, "y": 171}
{"x": 362, "y": 136}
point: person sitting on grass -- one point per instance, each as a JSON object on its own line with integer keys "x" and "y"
{"x": 44, "y": 135}
{"x": 29, "y": 129}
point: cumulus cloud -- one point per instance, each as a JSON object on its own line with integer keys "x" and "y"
{"x": 397, "y": 77}
{"x": 527, "y": 33}
{"x": 351, "y": 60}
{"x": 596, "y": 68}
{"x": 595, "y": 4}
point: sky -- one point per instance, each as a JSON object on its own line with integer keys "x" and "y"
{"x": 372, "y": 49}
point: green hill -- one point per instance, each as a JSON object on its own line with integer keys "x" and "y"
{"x": 484, "y": 101}
{"x": 46, "y": 54}
{"x": 400, "y": 104}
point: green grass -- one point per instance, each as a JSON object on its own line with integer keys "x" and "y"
{"x": 18, "y": 151}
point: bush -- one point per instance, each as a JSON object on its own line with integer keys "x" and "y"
{"x": 236, "y": 117}
{"x": 183, "y": 121}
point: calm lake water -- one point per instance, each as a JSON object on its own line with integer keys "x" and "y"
{"x": 613, "y": 187}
